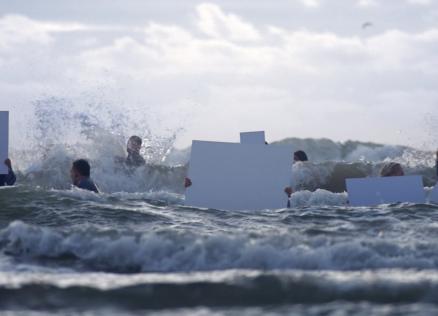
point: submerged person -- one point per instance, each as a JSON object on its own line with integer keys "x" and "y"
{"x": 133, "y": 147}
{"x": 80, "y": 175}
{"x": 187, "y": 182}
{"x": 299, "y": 156}
{"x": 10, "y": 178}
{"x": 392, "y": 169}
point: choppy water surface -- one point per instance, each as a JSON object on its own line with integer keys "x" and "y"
{"x": 67, "y": 251}
{"x": 136, "y": 249}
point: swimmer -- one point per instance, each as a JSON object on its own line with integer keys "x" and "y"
{"x": 299, "y": 156}
{"x": 133, "y": 147}
{"x": 187, "y": 183}
{"x": 392, "y": 169}
{"x": 10, "y": 178}
{"x": 80, "y": 175}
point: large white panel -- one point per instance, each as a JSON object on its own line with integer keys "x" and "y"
{"x": 4, "y": 140}
{"x": 253, "y": 138}
{"x": 232, "y": 176}
{"x": 385, "y": 190}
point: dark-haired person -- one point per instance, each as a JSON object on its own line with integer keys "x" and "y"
{"x": 133, "y": 147}
{"x": 392, "y": 169}
{"x": 10, "y": 178}
{"x": 299, "y": 156}
{"x": 187, "y": 182}
{"x": 80, "y": 175}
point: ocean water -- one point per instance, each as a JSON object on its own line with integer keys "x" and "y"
{"x": 73, "y": 252}
{"x": 136, "y": 249}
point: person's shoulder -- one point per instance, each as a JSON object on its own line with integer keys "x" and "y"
{"x": 86, "y": 183}
{"x": 135, "y": 161}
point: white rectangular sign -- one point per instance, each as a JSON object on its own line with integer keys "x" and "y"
{"x": 4, "y": 140}
{"x": 253, "y": 138}
{"x": 230, "y": 176}
{"x": 385, "y": 190}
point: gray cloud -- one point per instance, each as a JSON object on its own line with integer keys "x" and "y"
{"x": 216, "y": 70}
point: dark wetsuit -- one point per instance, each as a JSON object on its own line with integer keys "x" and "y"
{"x": 135, "y": 160}
{"x": 88, "y": 184}
{"x": 8, "y": 179}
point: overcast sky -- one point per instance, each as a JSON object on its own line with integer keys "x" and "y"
{"x": 341, "y": 69}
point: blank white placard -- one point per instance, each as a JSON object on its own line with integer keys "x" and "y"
{"x": 230, "y": 176}
{"x": 385, "y": 190}
{"x": 4, "y": 140}
{"x": 253, "y": 138}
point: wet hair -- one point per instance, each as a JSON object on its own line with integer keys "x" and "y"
{"x": 301, "y": 155}
{"x": 136, "y": 140}
{"x": 389, "y": 169}
{"x": 82, "y": 167}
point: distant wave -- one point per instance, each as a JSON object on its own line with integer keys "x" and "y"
{"x": 322, "y": 150}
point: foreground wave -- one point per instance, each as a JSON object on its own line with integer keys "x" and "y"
{"x": 74, "y": 252}
{"x": 216, "y": 289}
{"x": 169, "y": 250}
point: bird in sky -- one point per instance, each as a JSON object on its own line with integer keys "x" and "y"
{"x": 367, "y": 25}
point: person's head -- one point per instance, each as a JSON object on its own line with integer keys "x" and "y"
{"x": 300, "y": 156}
{"x": 392, "y": 169}
{"x": 134, "y": 145}
{"x": 79, "y": 170}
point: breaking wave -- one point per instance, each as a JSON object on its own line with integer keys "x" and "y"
{"x": 176, "y": 251}
{"x": 60, "y": 131}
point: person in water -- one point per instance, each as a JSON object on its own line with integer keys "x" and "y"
{"x": 187, "y": 182}
{"x": 10, "y": 178}
{"x": 133, "y": 147}
{"x": 392, "y": 169}
{"x": 299, "y": 156}
{"x": 80, "y": 175}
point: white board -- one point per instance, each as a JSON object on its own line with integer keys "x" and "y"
{"x": 4, "y": 140}
{"x": 230, "y": 176}
{"x": 253, "y": 138}
{"x": 385, "y": 190}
